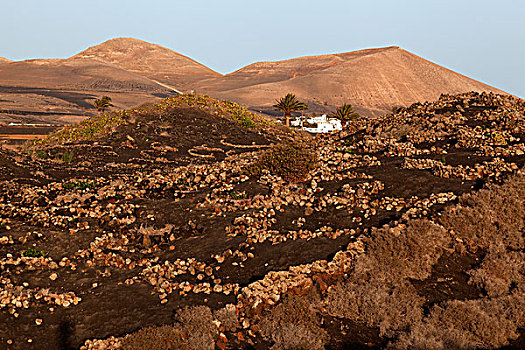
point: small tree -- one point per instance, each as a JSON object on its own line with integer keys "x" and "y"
{"x": 345, "y": 113}
{"x": 289, "y": 104}
{"x": 103, "y": 103}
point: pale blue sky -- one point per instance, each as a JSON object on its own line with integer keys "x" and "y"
{"x": 482, "y": 39}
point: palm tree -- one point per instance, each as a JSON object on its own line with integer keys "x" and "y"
{"x": 289, "y": 104}
{"x": 103, "y": 103}
{"x": 345, "y": 113}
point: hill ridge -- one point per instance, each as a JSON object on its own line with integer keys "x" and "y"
{"x": 125, "y": 39}
{"x": 338, "y": 55}
{"x": 453, "y": 71}
{"x": 150, "y": 60}
{"x": 373, "y": 80}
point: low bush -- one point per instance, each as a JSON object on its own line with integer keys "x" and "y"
{"x": 390, "y": 307}
{"x": 491, "y": 216}
{"x": 291, "y": 162}
{"x": 293, "y": 324}
{"x": 78, "y": 185}
{"x": 379, "y": 291}
{"x": 398, "y": 253}
{"x": 197, "y": 324}
{"x": 468, "y": 324}
{"x": 500, "y": 270}
{"x": 33, "y": 253}
{"x": 228, "y": 317}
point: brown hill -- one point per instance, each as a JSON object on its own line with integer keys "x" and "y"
{"x": 372, "y": 80}
{"x": 150, "y": 60}
{"x": 4, "y": 60}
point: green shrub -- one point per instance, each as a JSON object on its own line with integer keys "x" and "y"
{"x": 78, "y": 185}
{"x": 246, "y": 122}
{"x": 42, "y": 154}
{"x": 291, "y": 162}
{"x": 237, "y": 195}
{"x": 33, "y": 253}
{"x": 67, "y": 157}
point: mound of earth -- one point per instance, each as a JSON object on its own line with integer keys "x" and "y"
{"x": 136, "y": 216}
{"x": 179, "y": 130}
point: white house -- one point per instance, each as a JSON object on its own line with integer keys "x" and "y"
{"x": 322, "y": 124}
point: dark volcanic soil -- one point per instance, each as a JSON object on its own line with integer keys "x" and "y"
{"x": 160, "y": 214}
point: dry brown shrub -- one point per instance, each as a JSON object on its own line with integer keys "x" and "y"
{"x": 228, "y": 317}
{"x": 196, "y": 323}
{"x": 293, "y": 324}
{"x": 395, "y": 254}
{"x": 494, "y": 220}
{"x": 292, "y": 162}
{"x": 156, "y": 338}
{"x": 492, "y": 215}
{"x": 379, "y": 304}
{"x": 499, "y": 270}
{"x": 471, "y": 324}
{"x": 379, "y": 292}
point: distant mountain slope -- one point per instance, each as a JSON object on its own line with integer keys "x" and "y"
{"x": 81, "y": 74}
{"x": 150, "y": 60}
{"x": 372, "y": 80}
{"x": 4, "y": 60}
{"x": 132, "y": 71}
{"x": 52, "y": 90}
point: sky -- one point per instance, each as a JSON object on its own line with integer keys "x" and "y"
{"x": 483, "y": 39}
